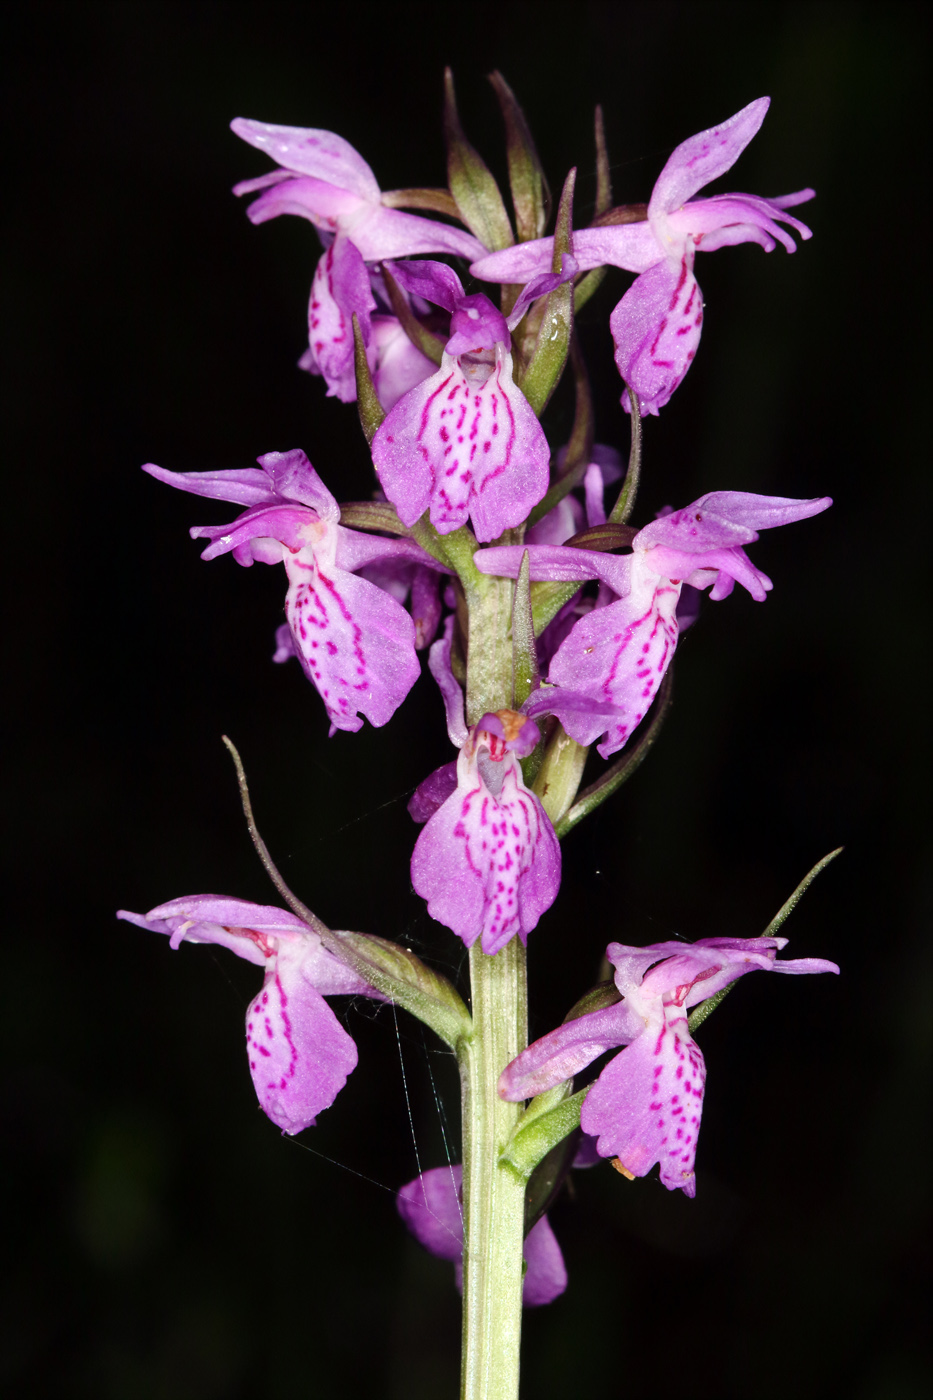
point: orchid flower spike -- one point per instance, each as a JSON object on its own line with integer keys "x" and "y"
{"x": 299, "y": 1053}
{"x": 656, "y": 326}
{"x": 618, "y": 654}
{"x": 488, "y": 861}
{"x": 355, "y": 642}
{"x": 646, "y": 1105}
{"x": 323, "y": 179}
{"x": 466, "y": 442}
{"x": 430, "y": 1207}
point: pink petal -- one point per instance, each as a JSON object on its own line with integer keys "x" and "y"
{"x": 340, "y": 288}
{"x": 618, "y": 655}
{"x": 633, "y": 247}
{"x": 294, "y": 479}
{"x": 546, "y": 1275}
{"x": 245, "y": 487}
{"x": 391, "y": 233}
{"x": 647, "y": 1103}
{"x": 656, "y": 329}
{"x": 567, "y": 1050}
{"x": 447, "y": 683}
{"x": 432, "y": 280}
{"x": 299, "y": 1054}
{"x": 463, "y": 449}
{"x": 432, "y": 792}
{"x": 324, "y": 205}
{"x": 395, "y": 364}
{"x": 430, "y": 1207}
{"x": 705, "y": 157}
{"x": 355, "y": 642}
{"x": 488, "y": 865}
{"x": 309, "y": 151}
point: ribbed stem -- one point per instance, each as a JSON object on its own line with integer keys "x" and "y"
{"x": 493, "y": 1195}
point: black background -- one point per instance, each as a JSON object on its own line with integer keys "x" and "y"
{"x": 165, "y": 1239}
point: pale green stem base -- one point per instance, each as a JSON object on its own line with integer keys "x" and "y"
{"x": 493, "y": 1195}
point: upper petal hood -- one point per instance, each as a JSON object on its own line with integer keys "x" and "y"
{"x": 310, "y": 151}
{"x": 705, "y": 157}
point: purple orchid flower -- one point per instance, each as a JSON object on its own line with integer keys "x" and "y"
{"x": 299, "y": 1053}
{"x": 646, "y": 1105}
{"x": 430, "y": 1207}
{"x": 355, "y": 642}
{"x": 395, "y": 364}
{"x": 656, "y": 326}
{"x": 618, "y": 654}
{"x": 487, "y": 862}
{"x": 466, "y": 442}
{"x": 323, "y": 179}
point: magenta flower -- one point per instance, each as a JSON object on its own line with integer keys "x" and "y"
{"x": 430, "y": 1207}
{"x": 355, "y": 642}
{"x": 656, "y": 326}
{"x": 618, "y": 654}
{"x": 646, "y": 1105}
{"x": 487, "y": 862}
{"x": 299, "y": 1053}
{"x": 323, "y": 179}
{"x": 465, "y": 442}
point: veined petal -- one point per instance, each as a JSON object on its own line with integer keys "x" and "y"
{"x": 632, "y": 247}
{"x": 381, "y": 233}
{"x": 247, "y": 486}
{"x": 294, "y": 479}
{"x": 647, "y": 1103}
{"x": 448, "y": 685}
{"x": 340, "y": 288}
{"x": 292, "y": 526}
{"x": 656, "y": 329}
{"x": 681, "y": 566}
{"x": 432, "y": 280}
{"x": 299, "y": 1054}
{"x": 326, "y": 206}
{"x": 488, "y": 865}
{"x": 555, "y": 563}
{"x": 395, "y": 363}
{"x": 724, "y": 519}
{"x": 709, "y": 221}
{"x": 463, "y": 449}
{"x": 567, "y": 1050}
{"x": 310, "y": 151}
{"x": 705, "y": 157}
{"x": 432, "y": 792}
{"x": 618, "y": 655}
{"x": 358, "y": 550}
{"x": 355, "y": 642}
{"x": 181, "y": 929}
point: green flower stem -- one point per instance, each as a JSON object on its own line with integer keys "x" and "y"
{"x": 489, "y": 670}
{"x": 493, "y": 1192}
